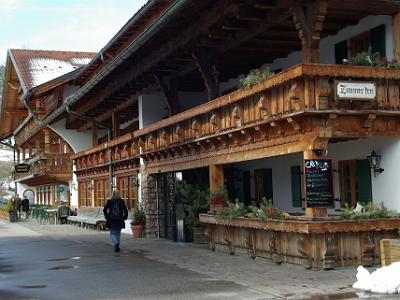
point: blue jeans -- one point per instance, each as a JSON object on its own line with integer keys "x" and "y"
{"x": 115, "y": 234}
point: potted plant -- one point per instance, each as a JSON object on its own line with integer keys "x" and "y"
{"x": 12, "y": 212}
{"x": 137, "y": 225}
{"x": 218, "y": 199}
{"x": 193, "y": 198}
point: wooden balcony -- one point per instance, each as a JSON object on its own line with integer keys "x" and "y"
{"x": 26, "y": 130}
{"x": 47, "y": 168}
{"x": 121, "y": 152}
{"x": 288, "y": 112}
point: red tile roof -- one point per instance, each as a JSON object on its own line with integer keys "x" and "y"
{"x": 35, "y": 67}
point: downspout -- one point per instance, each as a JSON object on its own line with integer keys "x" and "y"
{"x": 109, "y": 134}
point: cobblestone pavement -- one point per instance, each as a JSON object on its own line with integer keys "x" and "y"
{"x": 262, "y": 277}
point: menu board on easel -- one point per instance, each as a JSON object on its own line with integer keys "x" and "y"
{"x": 319, "y": 182}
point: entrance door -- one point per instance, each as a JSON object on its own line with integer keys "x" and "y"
{"x": 355, "y": 182}
{"x": 166, "y": 206}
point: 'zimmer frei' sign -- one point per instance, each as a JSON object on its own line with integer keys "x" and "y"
{"x": 355, "y": 90}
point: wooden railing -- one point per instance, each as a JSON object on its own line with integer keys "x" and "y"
{"x": 119, "y": 150}
{"x": 47, "y": 164}
{"x": 302, "y": 89}
{"x": 27, "y": 131}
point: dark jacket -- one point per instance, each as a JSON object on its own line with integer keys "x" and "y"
{"x": 115, "y": 224}
{"x": 25, "y": 204}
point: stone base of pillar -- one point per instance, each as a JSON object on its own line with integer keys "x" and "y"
{"x": 149, "y": 202}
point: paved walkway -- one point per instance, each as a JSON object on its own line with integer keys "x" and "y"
{"x": 263, "y": 276}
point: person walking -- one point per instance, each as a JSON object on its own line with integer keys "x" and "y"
{"x": 25, "y": 207}
{"x": 116, "y": 213}
{"x": 18, "y": 205}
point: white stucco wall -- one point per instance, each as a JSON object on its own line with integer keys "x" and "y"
{"x": 280, "y": 177}
{"x": 78, "y": 140}
{"x": 384, "y": 186}
{"x": 73, "y": 187}
{"x": 21, "y": 188}
{"x": 154, "y": 107}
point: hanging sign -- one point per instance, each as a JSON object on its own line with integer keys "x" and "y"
{"x": 319, "y": 182}
{"x": 22, "y": 168}
{"x": 355, "y": 90}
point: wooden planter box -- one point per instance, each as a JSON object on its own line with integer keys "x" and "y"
{"x": 324, "y": 243}
{"x": 390, "y": 251}
{"x": 7, "y": 216}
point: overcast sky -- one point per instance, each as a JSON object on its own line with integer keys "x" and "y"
{"x": 76, "y": 25}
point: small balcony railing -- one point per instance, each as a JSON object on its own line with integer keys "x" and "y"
{"x": 47, "y": 164}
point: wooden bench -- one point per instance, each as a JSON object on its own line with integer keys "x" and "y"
{"x": 89, "y": 217}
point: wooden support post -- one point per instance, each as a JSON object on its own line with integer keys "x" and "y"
{"x": 216, "y": 177}
{"x": 309, "y": 23}
{"x": 95, "y": 135}
{"x": 313, "y": 211}
{"x": 171, "y": 92}
{"x": 115, "y": 124}
{"x": 208, "y": 73}
{"x": 23, "y": 154}
{"x": 396, "y": 37}
{"x": 37, "y": 146}
{"x": 46, "y": 141}
{"x": 53, "y": 195}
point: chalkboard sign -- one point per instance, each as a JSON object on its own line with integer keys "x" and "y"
{"x": 319, "y": 182}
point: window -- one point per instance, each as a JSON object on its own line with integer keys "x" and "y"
{"x": 133, "y": 191}
{"x": 99, "y": 200}
{"x": 374, "y": 38}
{"x": 355, "y": 182}
{"x": 101, "y": 194}
{"x": 128, "y": 189}
{"x": 124, "y": 190}
{"x": 295, "y": 177}
{"x": 263, "y": 182}
{"x": 85, "y": 193}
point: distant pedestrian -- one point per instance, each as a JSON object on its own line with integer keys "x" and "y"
{"x": 25, "y": 206}
{"x": 116, "y": 213}
{"x": 18, "y": 205}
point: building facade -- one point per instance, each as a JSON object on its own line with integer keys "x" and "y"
{"x": 164, "y": 96}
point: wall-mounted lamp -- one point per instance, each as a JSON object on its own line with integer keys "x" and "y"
{"x": 178, "y": 176}
{"x": 320, "y": 152}
{"x": 375, "y": 162}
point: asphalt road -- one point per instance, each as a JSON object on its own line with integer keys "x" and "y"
{"x": 66, "y": 262}
{"x": 37, "y": 267}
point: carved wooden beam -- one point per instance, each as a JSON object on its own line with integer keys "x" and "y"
{"x": 294, "y": 124}
{"x": 234, "y": 138}
{"x": 369, "y": 121}
{"x": 208, "y": 72}
{"x": 276, "y": 127}
{"x": 171, "y": 92}
{"x": 309, "y": 22}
